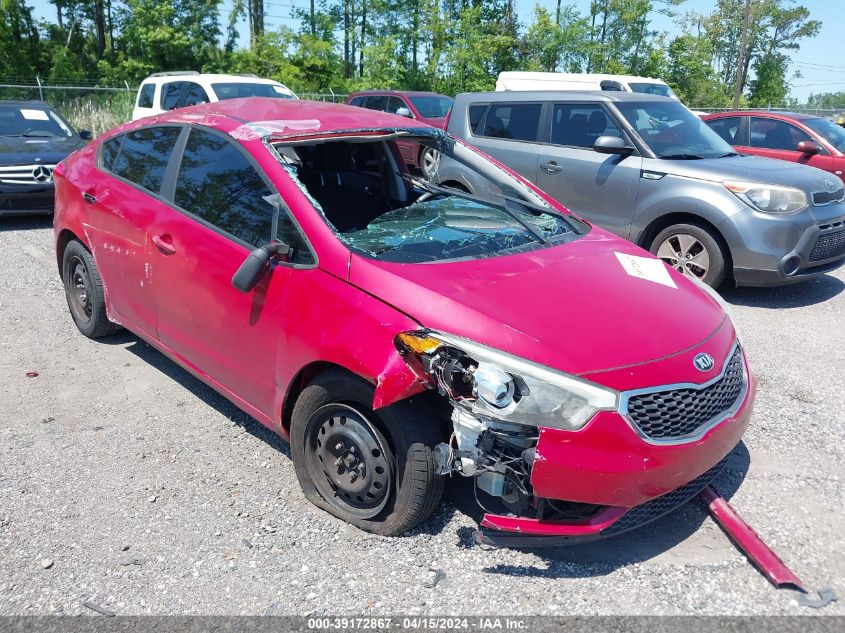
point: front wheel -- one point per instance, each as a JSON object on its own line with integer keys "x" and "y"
{"x": 692, "y": 250}
{"x": 373, "y": 469}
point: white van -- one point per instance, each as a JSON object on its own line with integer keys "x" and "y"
{"x": 161, "y": 92}
{"x": 582, "y": 81}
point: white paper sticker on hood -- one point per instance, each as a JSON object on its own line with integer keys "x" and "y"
{"x": 647, "y": 268}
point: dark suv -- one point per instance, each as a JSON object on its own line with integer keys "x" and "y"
{"x": 426, "y": 107}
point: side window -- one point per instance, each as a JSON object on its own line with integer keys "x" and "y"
{"x": 728, "y": 128}
{"x": 394, "y": 103}
{"x": 217, "y": 183}
{"x": 476, "y": 115}
{"x": 357, "y": 101}
{"x": 144, "y": 156}
{"x": 774, "y": 134}
{"x": 145, "y": 96}
{"x": 375, "y": 102}
{"x": 170, "y": 94}
{"x": 518, "y": 121}
{"x": 580, "y": 124}
{"x": 611, "y": 86}
{"x": 110, "y": 150}
{"x": 195, "y": 94}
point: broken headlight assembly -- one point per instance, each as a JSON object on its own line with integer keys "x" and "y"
{"x": 489, "y": 383}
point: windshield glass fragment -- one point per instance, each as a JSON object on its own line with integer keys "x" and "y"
{"x": 383, "y": 210}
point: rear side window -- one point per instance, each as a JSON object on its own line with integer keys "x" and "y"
{"x": 144, "y": 156}
{"x": 517, "y": 121}
{"x": 217, "y": 183}
{"x": 375, "y": 102}
{"x": 580, "y": 124}
{"x": 728, "y": 128}
{"x": 109, "y": 152}
{"x": 196, "y": 94}
{"x": 357, "y": 101}
{"x": 774, "y": 134}
{"x": 476, "y": 116}
{"x": 145, "y": 96}
{"x": 170, "y": 94}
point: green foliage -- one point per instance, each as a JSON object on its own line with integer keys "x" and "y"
{"x": 444, "y": 45}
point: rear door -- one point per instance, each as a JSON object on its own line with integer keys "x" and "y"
{"x": 509, "y": 133}
{"x": 223, "y": 207}
{"x": 602, "y": 188}
{"x": 121, "y": 206}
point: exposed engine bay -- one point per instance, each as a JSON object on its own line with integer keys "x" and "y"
{"x": 497, "y": 453}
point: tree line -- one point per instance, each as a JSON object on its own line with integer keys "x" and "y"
{"x": 444, "y": 45}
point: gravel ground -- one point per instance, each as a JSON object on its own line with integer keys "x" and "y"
{"x": 128, "y": 484}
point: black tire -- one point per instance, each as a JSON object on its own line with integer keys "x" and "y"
{"x": 716, "y": 270}
{"x": 407, "y": 432}
{"x": 84, "y": 292}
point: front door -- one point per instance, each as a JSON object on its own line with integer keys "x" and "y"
{"x": 223, "y": 207}
{"x": 774, "y": 138}
{"x": 602, "y": 188}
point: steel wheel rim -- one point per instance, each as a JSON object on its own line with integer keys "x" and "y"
{"x": 686, "y": 254}
{"x": 78, "y": 289}
{"x": 428, "y": 161}
{"x": 346, "y": 459}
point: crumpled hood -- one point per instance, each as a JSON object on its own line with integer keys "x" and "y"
{"x": 20, "y": 150}
{"x": 748, "y": 168}
{"x": 572, "y": 306}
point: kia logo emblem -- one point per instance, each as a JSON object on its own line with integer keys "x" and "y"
{"x": 42, "y": 174}
{"x": 703, "y": 362}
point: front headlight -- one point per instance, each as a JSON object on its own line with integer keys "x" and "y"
{"x": 768, "y": 198}
{"x": 499, "y": 385}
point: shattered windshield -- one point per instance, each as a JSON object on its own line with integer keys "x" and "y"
{"x": 384, "y": 210}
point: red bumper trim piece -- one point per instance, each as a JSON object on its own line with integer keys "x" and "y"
{"x": 772, "y": 567}
{"x": 535, "y": 527}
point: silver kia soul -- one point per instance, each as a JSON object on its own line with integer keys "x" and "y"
{"x": 649, "y": 170}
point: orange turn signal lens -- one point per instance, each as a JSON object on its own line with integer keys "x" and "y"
{"x": 418, "y": 342}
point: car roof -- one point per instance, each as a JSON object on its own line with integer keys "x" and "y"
{"x": 281, "y": 117}
{"x": 772, "y": 113}
{"x": 211, "y": 77}
{"x": 409, "y": 93}
{"x": 606, "y": 96}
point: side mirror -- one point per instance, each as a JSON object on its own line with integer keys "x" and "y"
{"x": 612, "y": 145}
{"x": 257, "y": 264}
{"x": 808, "y": 147}
{"x": 404, "y": 112}
{"x": 86, "y": 135}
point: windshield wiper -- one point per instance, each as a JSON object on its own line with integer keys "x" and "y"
{"x": 449, "y": 191}
{"x": 682, "y": 157}
{"x": 728, "y": 155}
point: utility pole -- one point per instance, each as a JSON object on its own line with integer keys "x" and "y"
{"x": 743, "y": 45}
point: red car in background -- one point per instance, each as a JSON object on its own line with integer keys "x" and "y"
{"x": 425, "y": 107}
{"x": 398, "y": 332}
{"x": 800, "y": 138}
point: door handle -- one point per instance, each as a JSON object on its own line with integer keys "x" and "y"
{"x": 551, "y": 167}
{"x": 89, "y": 198}
{"x": 164, "y": 244}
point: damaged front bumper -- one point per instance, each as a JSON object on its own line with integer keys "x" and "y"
{"x": 628, "y": 483}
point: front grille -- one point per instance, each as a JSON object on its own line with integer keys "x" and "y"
{"x": 677, "y": 413}
{"x": 656, "y": 508}
{"x": 828, "y": 245}
{"x": 27, "y": 203}
{"x": 26, "y": 174}
{"x": 821, "y": 198}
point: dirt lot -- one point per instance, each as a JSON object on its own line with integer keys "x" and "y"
{"x": 127, "y": 483}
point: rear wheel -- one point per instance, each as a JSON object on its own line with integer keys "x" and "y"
{"x": 429, "y": 157}
{"x": 692, "y": 250}
{"x": 84, "y": 292}
{"x": 372, "y": 469}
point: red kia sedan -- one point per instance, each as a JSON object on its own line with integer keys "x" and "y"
{"x": 423, "y": 107}
{"x": 398, "y": 332}
{"x": 800, "y": 138}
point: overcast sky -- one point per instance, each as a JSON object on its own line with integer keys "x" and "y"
{"x": 821, "y": 60}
